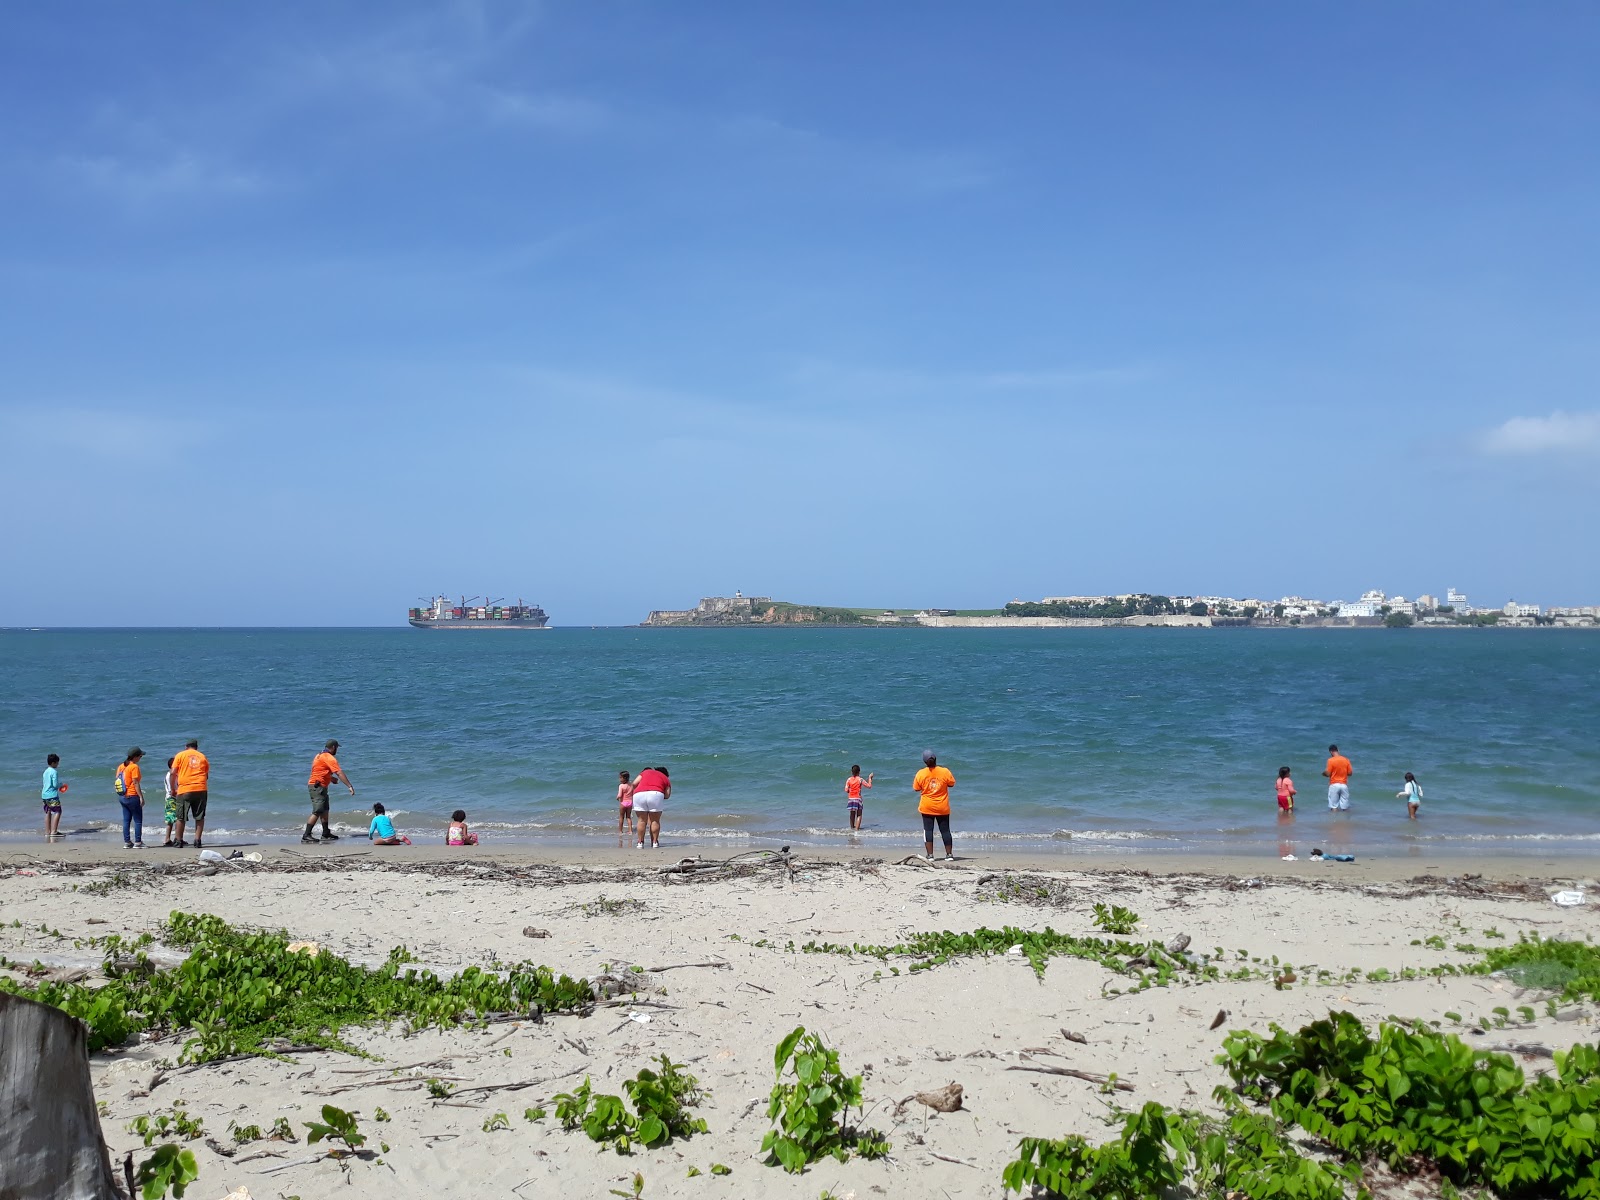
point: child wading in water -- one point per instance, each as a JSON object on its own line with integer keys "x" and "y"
{"x": 1285, "y": 790}
{"x": 852, "y": 795}
{"x": 381, "y": 831}
{"x": 1411, "y": 794}
{"x": 170, "y": 806}
{"x": 457, "y": 834}
{"x": 624, "y": 802}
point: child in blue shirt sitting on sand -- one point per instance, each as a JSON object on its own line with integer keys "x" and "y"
{"x": 381, "y": 831}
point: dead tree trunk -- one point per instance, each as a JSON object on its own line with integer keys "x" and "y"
{"x": 50, "y": 1143}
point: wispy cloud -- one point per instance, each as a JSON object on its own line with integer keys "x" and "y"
{"x": 1560, "y": 433}
{"x": 100, "y": 433}
{"x": 870, "y": 381}
{"x": 821, "y": 156}
{"x": 140, "y": 181}
{"x": 555, "y": 113}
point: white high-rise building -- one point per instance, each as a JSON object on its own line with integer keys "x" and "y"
{"x": 1454, "y": 598}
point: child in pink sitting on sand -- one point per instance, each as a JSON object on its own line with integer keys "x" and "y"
{"x": 457, "y": 834}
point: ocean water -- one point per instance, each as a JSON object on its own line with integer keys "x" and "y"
{"x": 1077, "y": 740}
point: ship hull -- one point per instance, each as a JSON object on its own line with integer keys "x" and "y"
{"x": 472, "y": 624}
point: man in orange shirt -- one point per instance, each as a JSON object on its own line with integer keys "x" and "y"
{"x": 1338, "y": 772}
{"x": 933, "y": 784}
{"x": 194, "y": 780}
{"x": 325, "y": 769}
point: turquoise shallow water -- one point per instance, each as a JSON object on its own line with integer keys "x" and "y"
{"x": 1076, "y": 739}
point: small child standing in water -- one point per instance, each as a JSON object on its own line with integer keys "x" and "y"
{"x": 852, "y": 795}
{"x": 457, "y": 834}
{"x": 1285, "y": 790}
{"x": 170, "y": 806}
{"x": 624, "y": 802}
{"x": 1411, "y": 794}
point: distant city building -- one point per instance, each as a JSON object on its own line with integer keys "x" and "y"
{"x": 1426, "y": 602}
{"x": 1359, "y": 608}
{"x": 1374, "y": 597}
{"x": 1513, "y": 609}
{"x": 1455, "y": 599}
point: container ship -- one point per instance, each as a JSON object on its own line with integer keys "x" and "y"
{"x": 494, "y": 614}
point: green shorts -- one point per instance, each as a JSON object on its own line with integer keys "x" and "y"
{"x": 319, "y": 798}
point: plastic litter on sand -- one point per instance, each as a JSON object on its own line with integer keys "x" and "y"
{"x": 1568, "y": 899}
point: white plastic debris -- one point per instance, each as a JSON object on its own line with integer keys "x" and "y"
{"x": 210, "y": 856}
{"x": 1290, "y": 858}
{"x": 1568, "y": 899}
{"x": 639, "y": 1017}
{"x": 1016, "y": 950}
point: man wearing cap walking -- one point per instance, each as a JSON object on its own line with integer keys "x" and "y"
{"x": 325, "y": 769}
{"x": 933, "y": 784}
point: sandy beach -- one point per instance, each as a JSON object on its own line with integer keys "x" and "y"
{"x": 717, "y": 1001}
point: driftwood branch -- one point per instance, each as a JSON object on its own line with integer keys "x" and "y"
{"x": 680, "y": 966}
{"x": 1122, "y": 1085}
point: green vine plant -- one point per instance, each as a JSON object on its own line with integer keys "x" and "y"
{"x": 660, "y": 1103}
{"x": 1415, "y": 1099}
{"x": 247, "y": 993}
{"x": 169, "y": 1168}
{"x": 336, "y": 1125}
{"x": 498, "y": 1121}
{"x": 1412, "y": 1094}
{"x": 811, "y": 1115}
{"x": 178, "y": 1123}
{"x": 1115, "y": 919}
{"x": 1158, "y": 1151}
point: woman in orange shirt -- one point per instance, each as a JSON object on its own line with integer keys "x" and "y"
{"x": 132, "y": 798}
{"x": 933, "y": 784}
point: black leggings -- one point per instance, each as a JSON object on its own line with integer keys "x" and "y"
{"x": 944, "y": 828}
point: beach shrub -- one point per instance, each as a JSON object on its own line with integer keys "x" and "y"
{"x": 247, "y": 993}
{"x": 178, "y": 1123}
{"x": 336, "y": 1125}
{"x": 660, "y": 1100}
{"x": 1158, "y": 1150}
{"x": 1115, "y": 919}
{"x": 812, "y": 1113}
{"x": 1549, "y": 964}
{"x": 1411, "y": 1093}
{"x": 169, "y": 1168}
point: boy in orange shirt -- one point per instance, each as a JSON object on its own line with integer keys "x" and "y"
{"x": 933, "y": 784}
{"x": 852, "y": 795}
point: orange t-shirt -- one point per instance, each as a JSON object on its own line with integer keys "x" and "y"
{"x": 130, "y": 779}
{"x": 193, "y": 770}
{"x": 853, "y": 786}
{"x": 323, "y": 768}
{"x": 934, "y": 783}
{"x": 1338, "y": 769}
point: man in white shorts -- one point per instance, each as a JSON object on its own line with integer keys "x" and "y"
{"x": 1338, "y": 772}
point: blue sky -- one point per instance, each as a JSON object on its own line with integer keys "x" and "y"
{"x": 311, "y": 309}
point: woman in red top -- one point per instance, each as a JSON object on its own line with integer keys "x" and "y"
{"x": 650, "y": 791}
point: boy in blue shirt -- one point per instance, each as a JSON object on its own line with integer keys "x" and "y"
{"x": 381, "y": 831}
{"x": 50, "y": 790}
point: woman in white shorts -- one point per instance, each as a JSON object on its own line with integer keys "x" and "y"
{"x": 650, "y": 791}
